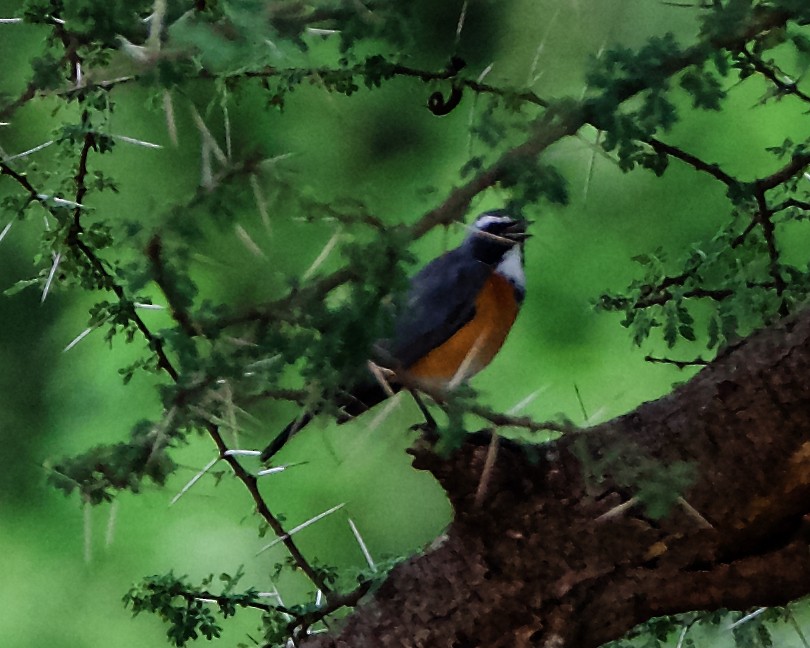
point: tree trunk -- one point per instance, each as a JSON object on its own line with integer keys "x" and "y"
{"x": 534, "y": 564}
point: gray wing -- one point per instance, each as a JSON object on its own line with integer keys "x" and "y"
{"x": 440, "y": 300}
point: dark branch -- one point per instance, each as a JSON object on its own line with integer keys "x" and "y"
{"x": 771, "y": 72}
{"x": 680, "y": 364}
{"x": 695, "y": 162}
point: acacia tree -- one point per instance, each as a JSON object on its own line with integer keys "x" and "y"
{"x": 694, "y": 502}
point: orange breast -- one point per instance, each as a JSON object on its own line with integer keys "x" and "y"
{"x": 474, "y": 345}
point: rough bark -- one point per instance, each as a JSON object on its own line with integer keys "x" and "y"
{"x": 533, "y": 566}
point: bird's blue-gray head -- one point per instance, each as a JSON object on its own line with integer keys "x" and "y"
{"x": 494, "y": 233}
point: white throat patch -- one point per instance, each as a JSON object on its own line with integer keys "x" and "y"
{"x": 511, "y": 267}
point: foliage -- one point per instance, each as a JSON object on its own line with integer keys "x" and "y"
{"x": 301, "y": 343}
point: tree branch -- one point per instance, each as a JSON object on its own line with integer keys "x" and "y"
{"x": 530, "y": 566}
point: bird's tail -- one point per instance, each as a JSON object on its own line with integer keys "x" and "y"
{"x": 293, "y": 427}
{"x": 362, "y": 398}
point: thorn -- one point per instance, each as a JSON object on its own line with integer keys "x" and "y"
{"x": 747, "y": 618}
{"x": 78, "y": 338}
{"x": 321, "y": 32}
{"x": 87, "y": 523}
{"x": 460, "y": 25}
{"x": 242, "y": 453}
{"x": 363, "y": 547}
{"x": 207, "y": 137}
{"x": 137, "y": 53}
{"x": 591, "y": 166}
{"x": 261, "y": 201}
{"x": 461, "y": 373}
{"x": 300, "y": 527}
{"x": 56, "y": 260}
{"x": 485, "y": 72}
{"x": 5, "y": 230}
{"x": 278, "y": 469}
{"x": 248, "y": 242}
{"x": 156, "y": 25}
{"x": 137, "y": 142}
{"x": 206, "y": 175}
{"x": 486, "y": 473}
{"x": 109, "y": 536}
{"x": 59, "y": 202}
{"x": 616, "y": 511}
{"x": 325, "y": 252}
{"x": 194, "y": 480}
{"x": 226, "y": 118}
{"x": 168, "y": 110}
{"x": 145, "y": 306}
{"x": 520, "y": 405}
{"x": 694, "y": 514}
{"x": 17, "y": 156}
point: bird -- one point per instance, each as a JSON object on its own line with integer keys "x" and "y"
{"x": 455, "y": 317}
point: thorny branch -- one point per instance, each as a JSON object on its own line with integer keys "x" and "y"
{"x": 784, "y": 85}
{"x": 549, "y": 128}
{"x": 680, "y": 364}
{"x": 156, "y": 344}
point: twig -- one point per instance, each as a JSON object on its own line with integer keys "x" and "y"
{"x": 680, "y": 364}
{"x": 180, "y": 315}
{"x": 770, "y": 73}
{"x": 695, "y": 162}
{"x": 505, "y": 420}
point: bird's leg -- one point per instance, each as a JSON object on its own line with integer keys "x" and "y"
{"x": 429, "y": 427}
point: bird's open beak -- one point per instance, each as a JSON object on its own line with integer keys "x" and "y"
{"x": 517, "y": 231}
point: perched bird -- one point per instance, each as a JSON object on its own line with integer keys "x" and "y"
{"x": 455, "y": 317}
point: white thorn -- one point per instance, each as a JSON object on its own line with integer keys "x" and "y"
{"x": 520, "y": 405}
{"x": 682, "y": 637}
{"x": 325, "y": 252}
{"x": 206, "y": 175}
{"x": 300, "y": 527}
{"x": 248, "y": 242}
{"x": 617, "y": 510}
{"x": 242, "y": 453}
{"x": 207, "y": 137}
{"x": 363, "y": 547}
{"x": 56, "y": 259}
{"x": 137, "y": 53}
{"x": 591, "y": 166}
{"x": 460, "y": 25}
{"x": 59, "y": 202}
{"x": 534, "y": 76}
{"x": 485, "y": 72}
{"x": 145, "y": 306}
{"x": 227, "y": 120}
{"x": 10, "y": 21}
{"x": 109, "y": 536}
{"x": 5, "y": 230}
{"x": 261, "y": 201}
{"x": 17, "y": 156}
{"x": 137, "y": 142}
{"x": 168, "y": 110}
{"x": 318, "y": 598}
{"x": 78, "y": 338}
{"x": 156, "y": 25}
{"x": 462, "y": 372}
{"x": 194, "y": 480}
{"x": 87, "y": 515}
{"x": 747, "y": 618}
{"x": 315, "y": 31}
{"x": 278, "y": 469}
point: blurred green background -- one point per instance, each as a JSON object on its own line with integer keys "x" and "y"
{"x": 64, "y": 569}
